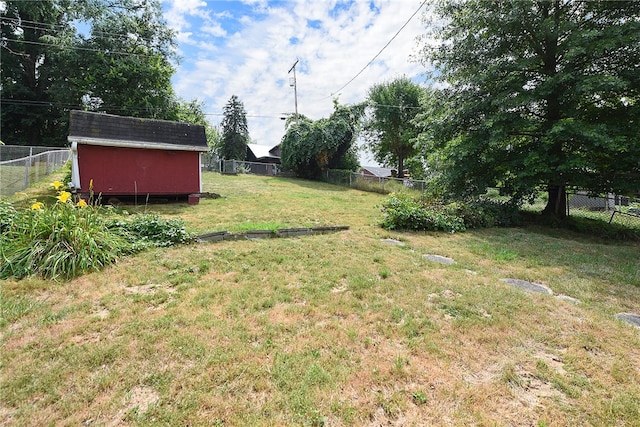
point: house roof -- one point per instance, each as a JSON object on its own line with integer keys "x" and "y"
{"x": 263, "y": 151}
{"x": 105, "y": 129}
{"x": 378, "y": 171}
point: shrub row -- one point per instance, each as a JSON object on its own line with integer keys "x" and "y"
{"x": 404, "y": 212}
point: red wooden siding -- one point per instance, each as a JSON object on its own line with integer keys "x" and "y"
{"x": 129, "y": 171}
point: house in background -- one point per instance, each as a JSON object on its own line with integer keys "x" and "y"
{"x": 262, "y": 159}
{"x": 128, "y": 156}
{"x": 374, "y": 172}
{"x": 263, "y": 154}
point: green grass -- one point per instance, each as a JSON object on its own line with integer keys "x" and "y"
{"x": 335, "y": 329}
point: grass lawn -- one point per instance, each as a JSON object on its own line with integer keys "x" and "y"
{"x": 337, "y": 329}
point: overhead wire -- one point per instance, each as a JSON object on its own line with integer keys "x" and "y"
{"x": 381, "y": 50}
{"x": 33, "y": 103}
{"x": 119, "y": 36}
{"x": 100, "y": 35}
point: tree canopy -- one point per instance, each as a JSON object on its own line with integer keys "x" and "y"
{"x": 235, "y": 131}
{"x": 120, "y": 65}
{"x": 389, "y": 130}
{"x": 537, "y": 94}
{"x": 310, "y": 147}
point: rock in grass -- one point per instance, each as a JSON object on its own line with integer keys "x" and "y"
{"x": 439, "y": 259}
{"x": 631, "y": 318}
{"x": 393, "y": 242}
{"x": 528, "y": 286}
{"x": 567, "y": 298}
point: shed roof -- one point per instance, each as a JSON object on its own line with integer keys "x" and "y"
{"x": 106, "y": 129}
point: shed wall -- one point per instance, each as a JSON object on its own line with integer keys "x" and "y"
{"x": 130, "y": 171}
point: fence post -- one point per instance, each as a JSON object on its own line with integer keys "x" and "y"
{"x": 27, "y": 166}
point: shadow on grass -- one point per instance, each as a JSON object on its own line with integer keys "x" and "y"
{"x": 581, "y": 228}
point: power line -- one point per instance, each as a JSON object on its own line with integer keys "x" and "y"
{"x": 35, "y": 25}
{"x": 33, "y": 103}
{"x": 56, "y": 29}
{"x": 84, "y": 49}
{"x": 381, "y": 50}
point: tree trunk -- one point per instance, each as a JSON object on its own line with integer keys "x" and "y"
{"x": 401, "y": 167}
{"x": 557, "y": 203}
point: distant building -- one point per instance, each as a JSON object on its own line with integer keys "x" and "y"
{"x": 379, "y": 172}
{"x": 263, "y": 154}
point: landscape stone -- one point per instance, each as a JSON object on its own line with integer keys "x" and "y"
{"x": 567, "y": 298}
{"x": 528, "y": 286}
{"x": 631, "y": 318}
{"x": 393, "y": 242}
{"x": 439, "y": 258}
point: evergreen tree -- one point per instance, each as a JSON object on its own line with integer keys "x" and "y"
{"x": 235, "y": 132}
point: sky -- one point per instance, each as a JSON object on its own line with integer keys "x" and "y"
{"x": 247, "y": 48}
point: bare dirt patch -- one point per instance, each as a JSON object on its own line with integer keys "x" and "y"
{"x": 141, "y": 398}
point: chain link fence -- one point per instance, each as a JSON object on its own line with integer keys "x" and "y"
{"x": 237, "y": 166}
{"x": 610, "y": 207}
{"x": 377, "y": 184}
{"x": 21, "y": 167}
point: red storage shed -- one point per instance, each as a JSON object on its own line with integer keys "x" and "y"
{"x": 128, "y": 156}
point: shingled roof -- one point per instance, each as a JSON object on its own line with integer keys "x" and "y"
{"x": 106, "y": 129}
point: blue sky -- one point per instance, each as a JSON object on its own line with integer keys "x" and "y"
{"x": 245, "y": 48}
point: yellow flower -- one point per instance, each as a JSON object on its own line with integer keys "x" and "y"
{"x": 91, "y": 184}
{"x": 64, "y": 196}
{"x": 81, "y": 203}
{"x": 56, "y": 184}
{"x": 37, "y": 206}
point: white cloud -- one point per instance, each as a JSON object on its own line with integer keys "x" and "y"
{"x": 246, "y": 48}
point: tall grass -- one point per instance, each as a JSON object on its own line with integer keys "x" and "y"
{"x": 61, "y": 241}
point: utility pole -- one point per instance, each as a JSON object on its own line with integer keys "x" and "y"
{"x": 295, "y": 86}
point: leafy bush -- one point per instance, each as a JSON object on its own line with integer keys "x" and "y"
{"x": 143, "y": 231}
{"x": 8, "y": 215}
{"x": 401, "y": 211}
{"x": 480, "y": 213}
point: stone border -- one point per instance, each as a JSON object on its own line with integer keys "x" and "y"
{"x": 219, "y": 236}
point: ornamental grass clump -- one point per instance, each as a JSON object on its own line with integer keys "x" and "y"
{"x": 60, "y": 241}
{"x": 73, "y": 237}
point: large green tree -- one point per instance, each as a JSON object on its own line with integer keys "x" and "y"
{"x": 537, "y": 94}
{"x": 310, "y": 147}
{"x": 125, "y": 61}
{"x": 122, "y": 66}
{"x": 235, "y": 131}
{"x": 33, "y": 56}
{"x": 389, "y": 130}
